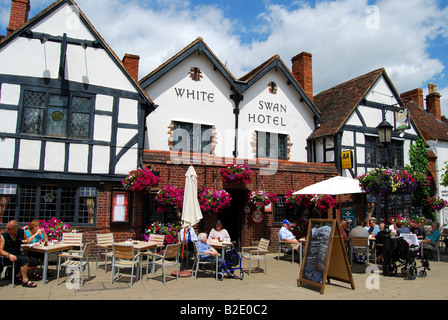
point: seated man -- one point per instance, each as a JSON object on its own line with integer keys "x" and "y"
{"x": 286, "y": 235}
{"x": 434, "y": 236}
{"x": 10, "y": 243}
{"x": 374, "y": 228}
{"x": 204, "y": 247}
{"x": 190, "y": 238}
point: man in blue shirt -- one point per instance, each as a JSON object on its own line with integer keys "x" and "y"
{"x": 211, "y": 253}
{"x": 286, "y": 235}
{"x": 374, "y": 228}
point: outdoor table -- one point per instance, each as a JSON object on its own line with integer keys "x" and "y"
{"x": 220, "y": 245}
{"x": 58, "y": 247}
{"x": 143, "y": 246}
{"x": 410, "y": 238}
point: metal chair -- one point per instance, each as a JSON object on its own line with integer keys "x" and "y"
{"x": 73, "y": 239}
{"x": 13, "y": 266}
{"x": 198, "y": 262}
{"x": 125, "y": 256}
{"x": 361, "y": 245}
{"x": 433, "y": 246}
{"x": 75, "y": 260}
{"x": 169, "y": 258}
{"x": 159, "y": 239}
{"x": 104, "y": 241}
{"x": 285, "y": 247}
{"x": 257, "y": 253}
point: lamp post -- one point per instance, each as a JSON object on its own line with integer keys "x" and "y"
{"x": 385, "y": 137}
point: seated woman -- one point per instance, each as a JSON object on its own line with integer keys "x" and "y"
{"x": 219, "y": 233}
{"x": 35, "y": 234}
{"x": 204, "y": 247}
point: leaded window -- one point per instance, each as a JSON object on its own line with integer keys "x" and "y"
{"x": 26, "y": 202}
{"x": 56, "y": 115}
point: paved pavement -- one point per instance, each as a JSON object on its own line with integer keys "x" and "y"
{"x": 280, "y": 283}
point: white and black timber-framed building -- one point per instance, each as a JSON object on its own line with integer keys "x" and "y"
{"x": 73, "y": 121}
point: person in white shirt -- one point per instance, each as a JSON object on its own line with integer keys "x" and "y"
{"x": 218, "y": 233}
{"x": 286, "y": 235}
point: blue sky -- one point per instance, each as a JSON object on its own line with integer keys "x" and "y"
{"x": 347, "y": 38}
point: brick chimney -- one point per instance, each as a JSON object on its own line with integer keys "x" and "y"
{"x": 19, "y": 15}
{"x": 302, "y": 70}
{"x": 433, "y": 101}
{"x": 416, "y": 95}
{"x": 131, "y": 62}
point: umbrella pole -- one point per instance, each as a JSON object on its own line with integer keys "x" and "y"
{"x": 182, "y": 273}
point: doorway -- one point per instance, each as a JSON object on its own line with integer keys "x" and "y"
{"x": 232, "y": 217}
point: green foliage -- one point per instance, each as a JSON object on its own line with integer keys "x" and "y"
{"x": 418, "y": 157}
{"x": 444, "y": 181}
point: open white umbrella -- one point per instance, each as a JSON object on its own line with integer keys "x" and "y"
{"x": 333, "y": 186}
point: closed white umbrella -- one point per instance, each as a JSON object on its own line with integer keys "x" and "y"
{"x": 191, "y": 211}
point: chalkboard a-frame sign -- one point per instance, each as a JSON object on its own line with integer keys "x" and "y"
{"x": 325, "y": 255}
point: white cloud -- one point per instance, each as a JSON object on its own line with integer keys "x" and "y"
{"x": 346, "y": 37}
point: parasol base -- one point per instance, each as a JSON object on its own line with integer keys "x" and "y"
{"x": 182, "y": 274}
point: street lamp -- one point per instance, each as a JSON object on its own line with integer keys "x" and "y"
{"x": 385, "y": 137}
{"x": 385, "y": 132}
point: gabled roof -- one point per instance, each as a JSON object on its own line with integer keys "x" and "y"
{"x": 57, "y": 4}
{"x": 338, "y": 103}
{"x": 239, "y": 85}
{"x": 197, "y": 45}
{"x": 427, "y": 124}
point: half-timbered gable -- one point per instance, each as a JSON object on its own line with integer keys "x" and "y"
{"x": 73, "y": 117}
{"x": 351, "y": 113}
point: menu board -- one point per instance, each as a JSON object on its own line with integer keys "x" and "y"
{"x": 325, "y": 255}
{"x": 317, "y": 251}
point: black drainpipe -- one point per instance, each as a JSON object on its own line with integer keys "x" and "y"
{"x": 236, "y": 111}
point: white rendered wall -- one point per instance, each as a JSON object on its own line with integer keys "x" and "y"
{"x": 281, "y": 113}
{"x": 213, "y": 107}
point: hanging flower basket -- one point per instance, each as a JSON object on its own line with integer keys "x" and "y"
{"x": 237, "y": 173}
{"x": 213, "y": 200}
{"x": 386, "y": 181}
{"x": 323, "y": 202}
{"x": 140, "y": 180}
{"x": 261, "y": 198}
{"x": 169, "y": 196}
{"x": 297, "y": 200}
{"x": 435, "y": 203}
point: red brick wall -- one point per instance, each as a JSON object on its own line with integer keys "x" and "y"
{"x": 290, "y": 175}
